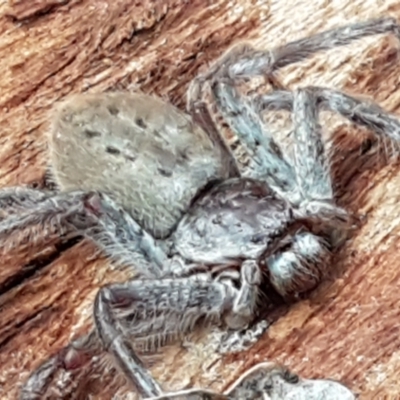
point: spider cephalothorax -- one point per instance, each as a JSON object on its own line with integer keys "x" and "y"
{"x": 159, "y": 190}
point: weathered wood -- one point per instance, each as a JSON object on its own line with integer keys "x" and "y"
{"x": 348, "y": 329}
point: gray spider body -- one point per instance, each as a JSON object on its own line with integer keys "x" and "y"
{"x": 154, "y": 162}
{"x": 182, "y": 187}
{"x": 159, "y": 191}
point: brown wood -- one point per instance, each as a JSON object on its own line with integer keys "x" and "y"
{"x": 348, "y": 329}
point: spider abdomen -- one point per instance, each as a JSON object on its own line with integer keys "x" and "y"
{"x": 145, "y": 153}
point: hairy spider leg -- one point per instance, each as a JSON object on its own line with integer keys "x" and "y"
{"x": 309, "y": 158}
{"x": 361, "y": 112}
{"x": 300, "y": 267}
{"x": 163, "y": 309}
{"x": 266, "y": 158}
{"x": 87, "y": 214}
{"x": 244, "y": 61}
{"x": 64, "y": 210}
{"x": 311, "y": 167}
{"x": 201, "y": 116}
{"x": 34, "y": 219}
{"x": 20, "y": 199}
{"x": 303, "y": 183}
{"x": 150, "y": 303}
{"x": 70, "y": 358}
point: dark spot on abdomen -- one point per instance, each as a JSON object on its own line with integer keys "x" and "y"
{"x": 182, "y": 156}
{"x": 129, "y": 157}
{"x": 165, "y": 172}
{"x": 140, "y": 122}
{"x": 113, "y": 110}
{"x": 91, "y": 134}
{"x": 112, "y": 150}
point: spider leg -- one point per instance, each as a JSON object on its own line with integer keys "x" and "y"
{"x": 309, "y": 159}
{"x": 267, "y": 160}
{"x": 47, "y": 222}
{"x": 60, "y": 210}
{"x": 19, "y": 199}
{"x": 362, "y": 112}
{"x": 95, "y": 216}
{"x": 308, "y": 177}
{"x": 301, "y": 266}
{"x": 118, "y": 235}
{"x": 72, "y": 357}
{"x": 123, "y": 239}
{"x": 32, "y": 389}
{"x": 158, "y": 310}
{"x": 312, "y": 168}
{"x": 243, "y": 60}
{"x": 201, "y": 116}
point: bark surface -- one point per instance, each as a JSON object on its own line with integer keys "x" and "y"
{"x": 347, "y": 329}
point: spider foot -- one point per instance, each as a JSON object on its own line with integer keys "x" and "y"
{"x": 70, "y": 359}
{"x": 235, "y": 342}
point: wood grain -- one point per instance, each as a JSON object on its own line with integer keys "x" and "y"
{"x": 347, "y": 329}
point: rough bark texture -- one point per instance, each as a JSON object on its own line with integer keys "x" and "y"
{"x": 348, "y": 329}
